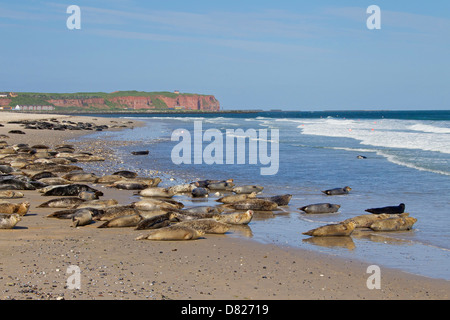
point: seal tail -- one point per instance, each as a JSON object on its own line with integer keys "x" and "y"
{"x": 104, "y": 225}
{"x": 141, "y": 237}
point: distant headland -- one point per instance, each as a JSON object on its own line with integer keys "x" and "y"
{"x": 114, "y": 102}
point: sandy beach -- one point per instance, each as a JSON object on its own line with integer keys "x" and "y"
{"x": 35, "y": 255}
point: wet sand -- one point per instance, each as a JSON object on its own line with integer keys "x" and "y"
{"x": 35, "y": 255}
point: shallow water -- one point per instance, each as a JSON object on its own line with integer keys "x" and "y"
{"x": 407, "y": 161}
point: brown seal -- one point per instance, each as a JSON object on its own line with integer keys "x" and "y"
{"x": 332, "y": 230}
{"x": 10, "y": 208}
{"x": 394, "y": 224}
{"x": 172, "y": 233}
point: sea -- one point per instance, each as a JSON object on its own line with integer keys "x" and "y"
{"x": 386, "y": 157}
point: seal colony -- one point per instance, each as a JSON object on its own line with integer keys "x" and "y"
{"x": 56, "y": 172}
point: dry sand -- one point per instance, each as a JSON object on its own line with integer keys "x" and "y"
{"x": 35, "y": 255}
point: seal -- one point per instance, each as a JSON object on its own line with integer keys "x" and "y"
{"x": 157, "y": 204}
{"x": 10, "y": 194}
{"x": 53, "y": 167}
{"x": 140, "y": 153}
{"x": 98, "y": 204}
{"x": 136, "y": 184}
{"x": 66, "y": 148}
{"x": 40, "y": 146}
{"x": 156, "y": 192}
{"x": 337, "y": 191}
{"x": 221, "y": 185}
{"x": 129, "y": 185}
{"x": 11, "y": 208}
{"x": 235, "y": 217}
{"x": 87, "y": 195}
{"x": 365, "y": 220}
{"x": 253, "y": 204}
{"x": 9, "y": 221}
{"x": 332, "y": 230}
{"x": 390, "y": 209}
{"x": 320, "y": 208}
{"x": 6, "y": 169}
{"x": 186, "y": 217}
{"x": 70, "y": 190}
{"x": 201, "y": 210}
{"x": 70, "y": 202}
{"x": 248, "y": 189}
{"x": 15, "y": 184}
{"x": 394, "y": 224}
{"x": 207, "y": 183}
{"x": 16, "y": 132}
{"x": 8, "y": 150}
{"x": 282, "y": 200}
{"x": 50, "y": 187}
{"x": 206, "y": 225}
{"x": 122, "y": 221}
{"x": 112, "y": 212}
{"x": 182, "y": 188}
{"x": 200, "y": 192}
{"x": 232, "y": 198}
{"x": 109, "y": 178}
{"x": 57, "y": 181}
{"x": 81, "y": 177}
{"x": 81, "y": 218}
{"x": 158, "y": 221}
{"x": 126, "y": 174}
{"x": 43, "y": 174}
{"x": 70, "y": 213}
{"x": 172, "y": 233}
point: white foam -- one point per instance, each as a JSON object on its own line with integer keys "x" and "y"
{"x": 250, "y": 138}
{"x": 386, "y": 133}
{"x": 396, "y": 160}
{"x": 429, "y": 128}
{"x": 353, "y": 149}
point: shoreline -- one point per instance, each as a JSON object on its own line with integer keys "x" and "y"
{"x": 35, "y": 255}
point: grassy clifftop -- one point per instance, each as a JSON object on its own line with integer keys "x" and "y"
{"x": 105, "y": 95}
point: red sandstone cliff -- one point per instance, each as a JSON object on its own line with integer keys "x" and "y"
{"x": 181, "y": 101}
{"x": 80, "y": 103}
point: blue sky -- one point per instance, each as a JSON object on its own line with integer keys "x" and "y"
{"x": 291, "y": 55}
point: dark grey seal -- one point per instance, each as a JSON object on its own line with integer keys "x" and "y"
{"x": 321, "y": 208}
{"x": 389, "y": 210}
{"x": 71, "y": 190}
{"x": 337, "y": 191}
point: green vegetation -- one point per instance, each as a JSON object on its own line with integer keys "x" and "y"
{"x": 29, "y": 100}
{"x": 104, "y": 95}
{"x": 160, "y": 104}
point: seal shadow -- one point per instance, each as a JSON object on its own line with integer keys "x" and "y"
{"x": 241, "y": 230}
{"x": 332, "y": 242}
